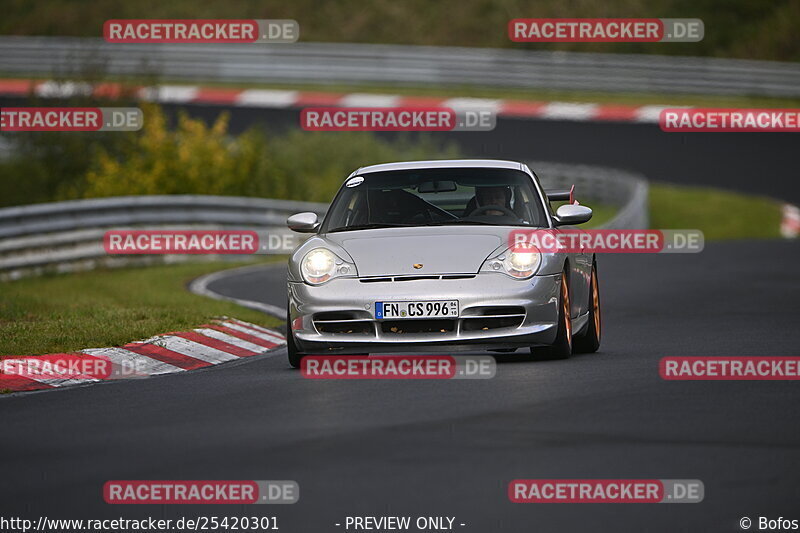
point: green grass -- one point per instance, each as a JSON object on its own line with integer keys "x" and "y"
{"x": 62, "y": 313}
{"x": 600, "y": 215}
{"x": 720, "y": 214}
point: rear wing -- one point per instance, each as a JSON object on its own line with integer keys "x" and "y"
{"x": 561, "y": 195}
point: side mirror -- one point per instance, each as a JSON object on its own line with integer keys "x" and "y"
{"x": 303, "y": 222}
{"x": 572, "y": 214}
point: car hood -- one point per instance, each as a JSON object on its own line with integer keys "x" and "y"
{"x": 395, "y": 251}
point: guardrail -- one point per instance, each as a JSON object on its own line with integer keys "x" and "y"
{"x": 320, "y": 63}
{"x": 626, "y": 191}
{"x": 68, "y": 236}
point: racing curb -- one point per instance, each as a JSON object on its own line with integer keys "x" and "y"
{"x": 790, "y": 222}
{"x": 285, "y": 99}
{"x": 223, "y": 340}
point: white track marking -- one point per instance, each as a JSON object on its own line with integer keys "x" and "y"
{"x": 192, "y": 349}
{"x": 369, "y": 100}
{"x": 43, "y": 371}
{"x": 230, "y": 339}
{"x": 569, "y": 111}
{"x": 651, "y": 113}
{"x": 200, "y": 286}
{"x": 36, "y": 374}
{"x": 134, "y": 363}
{"x": 54, "y": 89}
{"x": 266, "y": 98}
{"x": 473, "y": 104}
{"x": 169, "y": 93}
{"x": 58, "y": 382}
{"x": 255, "y": 333}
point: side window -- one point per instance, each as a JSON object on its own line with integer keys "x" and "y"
{"x": 354, "y": 211}
{"x": 358, "y": 209}
{"x": 520, "y": 203}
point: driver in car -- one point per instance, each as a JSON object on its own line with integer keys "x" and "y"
{"x": 488, "y": 196}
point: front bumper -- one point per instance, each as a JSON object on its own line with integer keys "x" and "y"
{"x": 496, "y": 312}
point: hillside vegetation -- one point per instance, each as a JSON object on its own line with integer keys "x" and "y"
{"x": 759, "y": 29}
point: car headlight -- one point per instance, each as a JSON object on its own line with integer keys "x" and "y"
{"x": 320, "y": 265}
{"x": 521, "y": 264}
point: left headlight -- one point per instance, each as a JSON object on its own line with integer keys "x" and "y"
{"x": 320, "y": 265}
{"x": 520, "y": 265}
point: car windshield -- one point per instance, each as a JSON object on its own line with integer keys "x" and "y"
{"x": 436, "y": 197}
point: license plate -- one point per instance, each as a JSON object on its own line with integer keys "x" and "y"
{"x": 425, "y": 309}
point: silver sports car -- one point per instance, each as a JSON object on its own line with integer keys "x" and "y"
{"x": 415, "y": 257}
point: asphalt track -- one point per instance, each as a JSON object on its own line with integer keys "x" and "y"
{"x": 450, "y": 448}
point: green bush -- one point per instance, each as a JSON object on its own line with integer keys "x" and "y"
{"x": 194, "y": 158}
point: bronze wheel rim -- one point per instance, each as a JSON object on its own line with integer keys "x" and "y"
{"x": 595, "y": 304}
{"x": 566, "y": 311}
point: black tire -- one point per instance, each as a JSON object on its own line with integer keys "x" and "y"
{"x": 562, "y": 346}
{"x": 295, "y": 357}
{"x": 589, "y": 341}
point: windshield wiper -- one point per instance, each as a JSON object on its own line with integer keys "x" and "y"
{"x": 370, "y": 226}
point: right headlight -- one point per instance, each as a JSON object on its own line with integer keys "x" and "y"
{"x": 520, "y": 265}
{"x": 320, "y": 265}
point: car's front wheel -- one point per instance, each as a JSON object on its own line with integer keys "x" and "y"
{"x": 589, "y": 342}
{"x": 562, "y": 346}
{"x": 295, "y": 356}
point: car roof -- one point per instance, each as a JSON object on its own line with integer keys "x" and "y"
{"x": 441, "y": 163}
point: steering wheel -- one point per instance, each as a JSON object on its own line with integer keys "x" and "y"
{"x": 506, "y": 211}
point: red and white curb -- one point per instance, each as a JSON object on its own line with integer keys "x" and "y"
{"x": 790, "y": 223}
{"x": 223, "y": 340}
{"x": 281, "y": 99}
